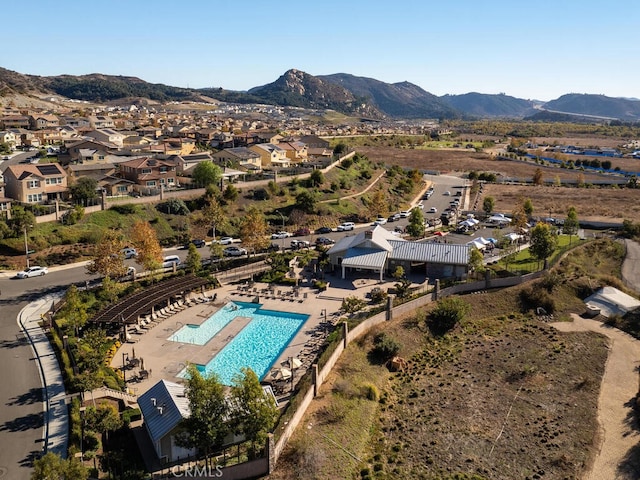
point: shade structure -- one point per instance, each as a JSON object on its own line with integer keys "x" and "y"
{"x": 294, "y": 363}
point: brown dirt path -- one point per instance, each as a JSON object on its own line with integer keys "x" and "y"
{"x": 617, "y": 457}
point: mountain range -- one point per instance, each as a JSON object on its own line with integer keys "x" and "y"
{"x": 345, "y": 93}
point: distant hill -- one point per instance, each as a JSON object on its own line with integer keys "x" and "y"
{"x": 485, "y": 105}
{"x": 596, "y": 105}
{"x": 345, "y": 93}
{"x": 299, "y": 89}
{"x": 400, "y": 100}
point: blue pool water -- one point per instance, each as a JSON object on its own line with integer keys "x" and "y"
{"x": 201, "y": 334}
{"x": 258, "y": 345}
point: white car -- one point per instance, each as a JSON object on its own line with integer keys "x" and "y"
{"x": 380, "y": 221}
{"x": 343, "y": 227}
{"x": 405, "y": 213}
{"x": 433, "y": 210}
{"x": 234, "y": 252}
{"x": 226, "y": 241}
{"x": 447, "y": 193}
{"x": 281, "y": 234}
{"x": 420, "y": 206}
{"x": 34, "y": 271}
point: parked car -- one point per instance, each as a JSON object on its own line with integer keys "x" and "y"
{"x": 281, "y": 234}
{"x": 433, "y": 210}
{"x": 343, "y": 227}
{"x": 198, "y": 242}
{"x": 170, "y": 260}
{"x": 322, "y": 230}
{"x": 394, "y": 218}
{"x": 420, "y": 206}
{"x": 405, "y": 213}
{"x": 297, "y": 244}
{"x": 226, "y": 241}
{"x": 447, "y": 193}
{"x": 380, "y": 221}
{"x": 129, "y": 252}
{"x": 34, "y": 271}
{"x": 302, "y": 232}
{"x": 234, "y": 252}
{"x": 324, "y": 241}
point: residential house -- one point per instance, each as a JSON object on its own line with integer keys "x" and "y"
{"x": 116, "y": 186}
{"x": 271, "y": 155}
{"x": 107, "y": 135}
{"x": 246, "y": 139}
{"x": 242, "y": 156}
{"x": 185, "y": 163}
{"x": 8, "y": 137}
{"x": 14, "y": 121}
{"x": 205, "y": 135}
{"x": 5, "y": 203}
{"x": 41, "y": 122}
{"x": 149, "y": 174}
{"x": 100, "y": 121}
{"x": 222, "y": 140}
{"x": 150, "y": 132}
{"x": 93, "y": 170}
{"x": 76, "y": 122}
{"x": 36, "y": 183}
{"x": 313, "y": 141}
{"x": 378, "y": 251}
{"x": 295, "y": 151}
{"x": 76, "y": 148}
{"x": 269, "y": 137}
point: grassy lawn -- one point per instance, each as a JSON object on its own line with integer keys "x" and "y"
{"x": 523, "y": 262}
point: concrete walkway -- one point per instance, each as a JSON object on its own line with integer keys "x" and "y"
{"x": 56, "y": 419}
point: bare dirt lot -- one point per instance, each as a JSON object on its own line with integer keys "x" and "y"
{"x": 600, "y": 204}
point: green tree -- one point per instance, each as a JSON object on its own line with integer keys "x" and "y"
{"x": 211, "y": 216}
{"x": 378, "y": 204}
{"x": 253, "y": 230}
{"x": 103, "y": 419}
{"x": 206, "y": 426}
{"x": 74, "y": 310}
{"x": 316, "y": 178}
{"x": 543, "y": 242}
{"x": 230, "y": 193}
{"x": 571, "y": 223}
{"x": 448, "y": 313}
{"x": 193, "y": 260}
{"x": 306, "y": 201}
{"x": 206, "y": 173}
{"x": 519, "y": 217}
{"x": 52, "y": 467}
{"x": 352, "y": 304}
{"x": 21, "y": 220}
{"x": 403, "y": 284}
{"x": 340, "y": 149}
{"x": 476, "y": 261}
{"x": 255, "y": 413}
{"x": 527, "y": 206}
{"x": 83, "y": 190}
{"x": 488, "y": 204}
{"x": 415, "y": 228}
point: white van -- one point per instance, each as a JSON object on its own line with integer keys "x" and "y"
{"x": 170, "y": 261}
{"x": 343, "y": 227}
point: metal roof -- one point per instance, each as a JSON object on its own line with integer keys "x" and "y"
{"x": 365, "y": 258}
{"x": 163, "y": 406}
{"x": 430, "y": 252}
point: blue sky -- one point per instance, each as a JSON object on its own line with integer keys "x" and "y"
{"x": 538, "y": 50}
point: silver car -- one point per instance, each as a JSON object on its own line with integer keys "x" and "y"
{"x": 34, "y": 271}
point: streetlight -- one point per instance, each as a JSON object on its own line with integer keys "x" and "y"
{"x": 26, "y": 245}
{"x": 125, "y": 357}
{"x": 281, "y": 216}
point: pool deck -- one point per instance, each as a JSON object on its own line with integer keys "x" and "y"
{"x": 165, "y": 359}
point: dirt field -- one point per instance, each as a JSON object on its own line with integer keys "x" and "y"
{"x": 607, "y": 204}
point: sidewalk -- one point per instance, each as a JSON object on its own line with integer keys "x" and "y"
{"x": 56, "y": 419}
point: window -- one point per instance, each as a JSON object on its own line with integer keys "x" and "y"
{"x": 151, "y": 183}
{"x": 36, "y": 197}
{"x": 171, "y": 180}
{"x": 162, "y": 182}
{"x": 54, "y": 181}
{"x": 122, "y": 188}
{"x": 145, "y": 170}
{"x": 33, "y": 184}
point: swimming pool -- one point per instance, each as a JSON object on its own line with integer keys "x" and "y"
{"x": 258, "y": 345}
{"x": 201, "y": 334}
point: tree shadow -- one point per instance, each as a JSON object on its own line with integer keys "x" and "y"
{"x": 34, "y": 395}
{"x": 22, "y": 424}
{"x": 631, "y": 417}
{"x": 20, "y": 340}
{"x": 629, "y": 467}
{"x": 28, "y": 460}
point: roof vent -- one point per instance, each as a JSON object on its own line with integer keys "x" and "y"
{"x": 153, "y": 402}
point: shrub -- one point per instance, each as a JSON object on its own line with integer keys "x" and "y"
{"x": 370, "y": 392}
{"x": 384, "y": 348}
{"x": 125, "y": 209}
{"x": 531, "y": 298}
{"x": 174, "y": 206}
{"x": 448, "y": 312}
